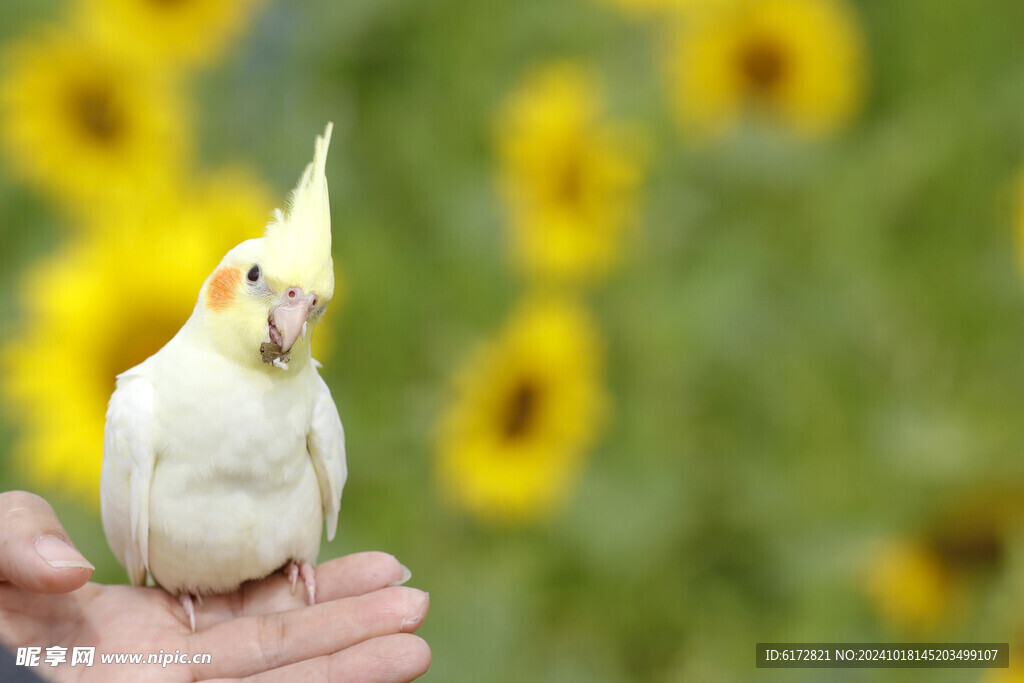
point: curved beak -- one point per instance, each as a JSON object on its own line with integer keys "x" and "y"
{"x": 288, "y": 317}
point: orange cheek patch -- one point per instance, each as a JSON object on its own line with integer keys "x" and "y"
{"x": 222, "y": 287}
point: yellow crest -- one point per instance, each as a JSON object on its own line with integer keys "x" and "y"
{"x": 299, "y": 238}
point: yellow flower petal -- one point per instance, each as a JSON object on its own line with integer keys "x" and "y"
{"x": 909, "y": 585}
{"x": 174, "y": 32}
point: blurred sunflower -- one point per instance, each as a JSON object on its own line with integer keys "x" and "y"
{"x": 84, "y": 126}
{"x": 917, "y": 583}
{"x": 798, "y": 63}
{"x": 105, "y": 302}
{"x": 175, "y": 32}
{"x": 527, "y": 407}
{"x": 569, "y": 177}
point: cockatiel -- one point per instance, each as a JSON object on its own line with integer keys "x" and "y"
{"x": 223, "y": 453}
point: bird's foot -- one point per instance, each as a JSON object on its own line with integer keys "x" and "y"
{"x": 305, "y": 570}
{"x": 190, "y": 610}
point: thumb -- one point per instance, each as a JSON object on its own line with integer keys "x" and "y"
{"x": 35, "y": 551}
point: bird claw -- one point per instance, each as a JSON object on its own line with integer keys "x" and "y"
{"x": 309, "y": 578}
{"x": 292, "y": 572}
{"x": 308, "y": 574}
{"x": 190, "y": 610}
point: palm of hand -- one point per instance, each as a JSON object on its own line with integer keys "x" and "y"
{"x": 262, "y": 628}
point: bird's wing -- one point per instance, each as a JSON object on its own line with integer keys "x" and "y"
{"x": 128, "y": 459}
{"x": 326, "y": 444}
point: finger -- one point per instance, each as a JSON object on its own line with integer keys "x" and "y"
{"x": 388, "y": 659}
{"x": 35, "y": 551}
{"x": 343, "y": 577}
{"x": 358, "y": 574}
{"x": 250, "y": 645}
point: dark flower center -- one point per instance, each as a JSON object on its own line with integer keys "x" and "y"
{"x": 94, "y": 109}
{"x": 763, "y": 65}
{"x": 570, "y": 182}
{"x": 136, "y": 340}
{"x": 521, "y": 410}
{"x": 971, "y": 549}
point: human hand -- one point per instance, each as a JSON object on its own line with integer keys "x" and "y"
{"x": 359, "y": 630}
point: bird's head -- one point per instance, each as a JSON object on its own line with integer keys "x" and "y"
{"x": 261, "y": 303}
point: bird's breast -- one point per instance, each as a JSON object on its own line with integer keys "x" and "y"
{"x": 234, "y": 493}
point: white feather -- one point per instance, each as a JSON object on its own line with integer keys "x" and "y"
{"x": 128, "y": 459}
{"x": 326, "y": 443}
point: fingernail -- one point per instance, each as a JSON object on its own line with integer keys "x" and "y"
{"x": 59, "y": 554}
{"x": 422, "y": 612}
{"x": 406, "y": 575}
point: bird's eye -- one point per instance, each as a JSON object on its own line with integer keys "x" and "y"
{"x": 254, "y": 274}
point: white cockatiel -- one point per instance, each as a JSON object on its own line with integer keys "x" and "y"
{"x": 224, "y": 454}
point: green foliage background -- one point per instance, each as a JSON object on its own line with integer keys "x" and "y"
{"x": 812, "y": 346}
